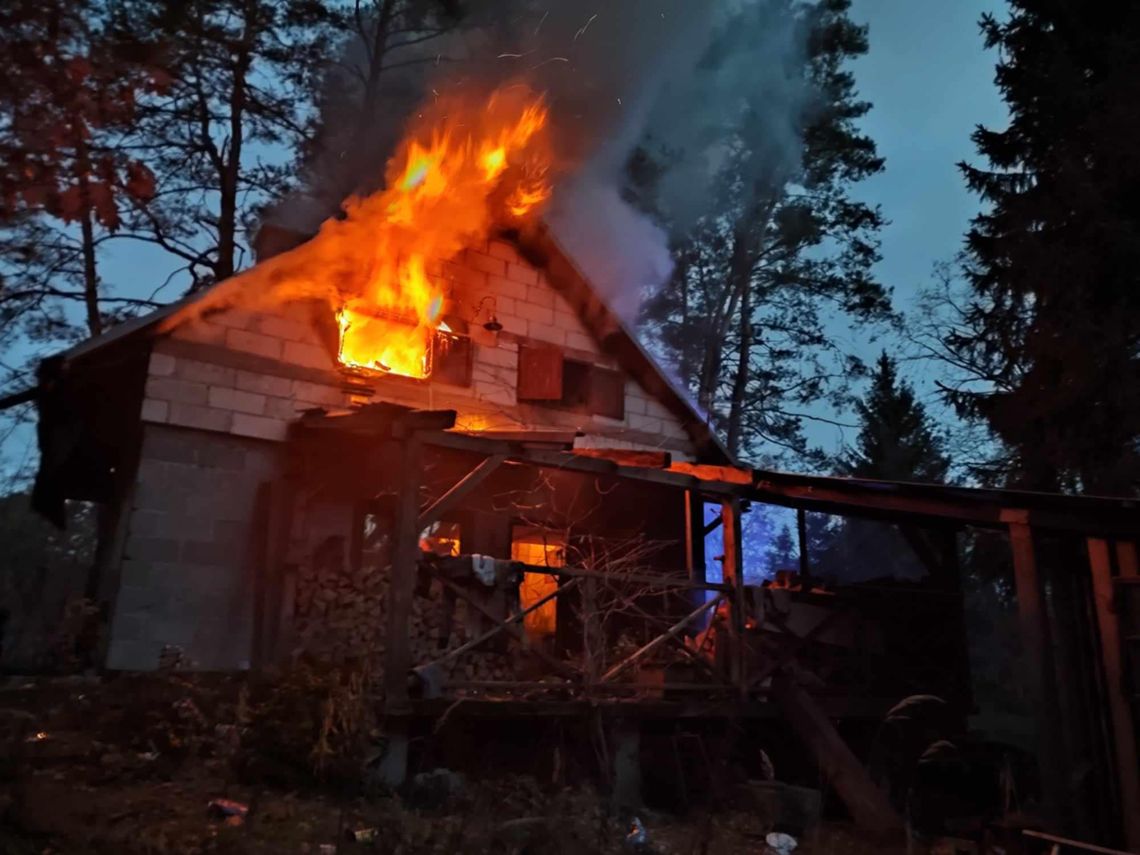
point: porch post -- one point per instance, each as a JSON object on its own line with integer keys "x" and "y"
{"x": 401, "y": 587}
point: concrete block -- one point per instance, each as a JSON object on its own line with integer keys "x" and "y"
{"x": 174, "y": 446}
{"x": 173, "y": 389}
{"x": 635, "y": 404}
{"x": 208, "y": 552}
{"x": 285, "y": 409}
{"x": 522, "y": 272}
{"x": 205, "y": 372}
{"x": 484, "y": 263}
{"x": 256, "y": 343}
{"x": 317, "y": 394}
{"x": 260, "y": 427}
{"x": 130, "y": 655}
{"x": 279, "y": 327}
{"x": 216, "y": 455}
{"x": 129, "y": 628}
{"x": 308, "y": 355}
{"x": 540, "y": 296}
{"x": 202, "y": 332}
{"x": 151, "y": 523}
{"x": 503, "y": 250}
{"x": 237, "y": 319}
{"x": 533, "y": 312}
{"x": 263, "y": 384}
{"x": 236, "y": 400}
{"x": 495, "y": 393}
{"x": 232, "y": 533}
{"x": 546, "y": 332}
{"x": 505, "y": 304}
{"x": 649, "y": 424}
{"x": 133, "y": 599}
{"x": 466, "y": 278}
{"x": 152, "y": 548}
{"x": 569, "y": 321}
{"x": 134, "y": 573}
{"x": 154, "y": 411}
{"x": 581, "y": 341}
{"x": 202, "y": 418}
{"x": 496, "y": 356}
{"x": 501, "y": 286}
{"x": 161, "y": 364}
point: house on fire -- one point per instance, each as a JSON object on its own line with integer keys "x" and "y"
{"x": 173, "y": 427}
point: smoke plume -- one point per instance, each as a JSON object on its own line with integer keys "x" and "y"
{"x": 673, "y": 74}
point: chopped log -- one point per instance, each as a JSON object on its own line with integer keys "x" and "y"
{"x": 626, "y": 457}
{"x": 868, "y": 805}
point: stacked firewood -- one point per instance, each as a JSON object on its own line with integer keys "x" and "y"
{"x": 342, "y": 616}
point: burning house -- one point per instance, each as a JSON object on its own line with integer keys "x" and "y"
{"x": 421, "y": 437}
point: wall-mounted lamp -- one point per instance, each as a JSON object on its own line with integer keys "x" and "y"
{"x": 490, "y": 320}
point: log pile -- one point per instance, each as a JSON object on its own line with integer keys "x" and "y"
{"x": 341, "y": 617}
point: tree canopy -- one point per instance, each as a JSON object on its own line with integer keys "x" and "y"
{"x": 1050, "y": 330}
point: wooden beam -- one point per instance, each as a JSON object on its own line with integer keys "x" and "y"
{"x": 734, "y": 577}
{"x": 652, "y": 645}
{"x": 695, "y": 537}
{"x": 509, "y": 627}
{"x": 805, "y": 557}
{"x": 726, "y": 474}
{"x": 1126, "y": 559}
{"x": 1120, "y": 709}
{"x": 459, "y": 491}
{"x": 868, "y": 805}
{"x": 405, "y": 551}
{"x": 1034, "y": 627}
{"x": 625, "y": 457}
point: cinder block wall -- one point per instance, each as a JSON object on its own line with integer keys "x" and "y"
{"x": 219, "y": 397}
{"x": 185, "y": 574}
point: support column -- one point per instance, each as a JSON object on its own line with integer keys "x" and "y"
{"x": 1120, "y": 710}
{"x": 734, "y": 576}
{"x": 1034, "y": 626}
{"x": 627, "y": 764}
{"x": 401, "y": 588}
{"x": 695, "y": 542}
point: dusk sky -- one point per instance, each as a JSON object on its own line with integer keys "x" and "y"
{"x": 930, "y": 81}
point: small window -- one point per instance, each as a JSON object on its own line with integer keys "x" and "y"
{"x": 541, "y": 548}
{"x": 441, "y": 538}
{"x": 546, "y": 376}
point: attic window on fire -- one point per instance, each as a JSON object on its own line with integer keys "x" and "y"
{"x": 547, "y": 377}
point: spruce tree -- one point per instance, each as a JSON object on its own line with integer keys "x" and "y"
{"x": 896, "y": 441}
{"x": 1051, "y": 332}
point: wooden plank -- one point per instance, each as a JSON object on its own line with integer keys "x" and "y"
{"x": 652, "y": 645}
{"x": 726, "y": 474}
{"x": 1127, "y": 772}
{"x": 459, "y": 491}
{"x": 405, "y": 551}
{"x": 1126, "y": 559}
{"x": 625, "y": 457}
{"x": 868, "y": 805}
{"x": 509, "y": 627}
{"x": 1076, "y": 844}
{"x": 1034, "y": 629}
{"x": 695, "y": 536}
{"x": 734, "y": 577}
{"x": 805, "y": 557}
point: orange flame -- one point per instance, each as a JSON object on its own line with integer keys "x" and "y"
{"x": 466, "y": 168}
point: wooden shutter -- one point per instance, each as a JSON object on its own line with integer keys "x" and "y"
{"x": 451, "y": 360}
{"x": 607, "y": 393}
{"x": 540, "y": 374}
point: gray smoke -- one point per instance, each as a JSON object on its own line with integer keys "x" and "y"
{"x": 679, "y": 75}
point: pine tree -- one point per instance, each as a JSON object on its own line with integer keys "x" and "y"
{"x": 1051, "y": 332}
{"x": 69, "y": 90}
{"x": 780, "y": 241}
{"x": 896, "y": 441}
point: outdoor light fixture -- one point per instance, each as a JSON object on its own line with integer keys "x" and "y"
{"x": 492, "y": 323}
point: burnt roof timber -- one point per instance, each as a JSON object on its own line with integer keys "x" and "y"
{"x": 887, "y": 500}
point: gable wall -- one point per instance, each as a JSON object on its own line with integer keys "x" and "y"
{"x": 250, "y": 374}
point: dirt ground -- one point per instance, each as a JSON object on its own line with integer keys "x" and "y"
{"x": 131, "y": 766}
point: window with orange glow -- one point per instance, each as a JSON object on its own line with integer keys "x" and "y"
{"x": 542, "y": 548}
{"x": 442, "y": 538}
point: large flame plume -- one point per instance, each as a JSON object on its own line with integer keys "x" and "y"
{"x": 466, "y": 167}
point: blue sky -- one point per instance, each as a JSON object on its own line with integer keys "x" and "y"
{"x": 930, "y": 82}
